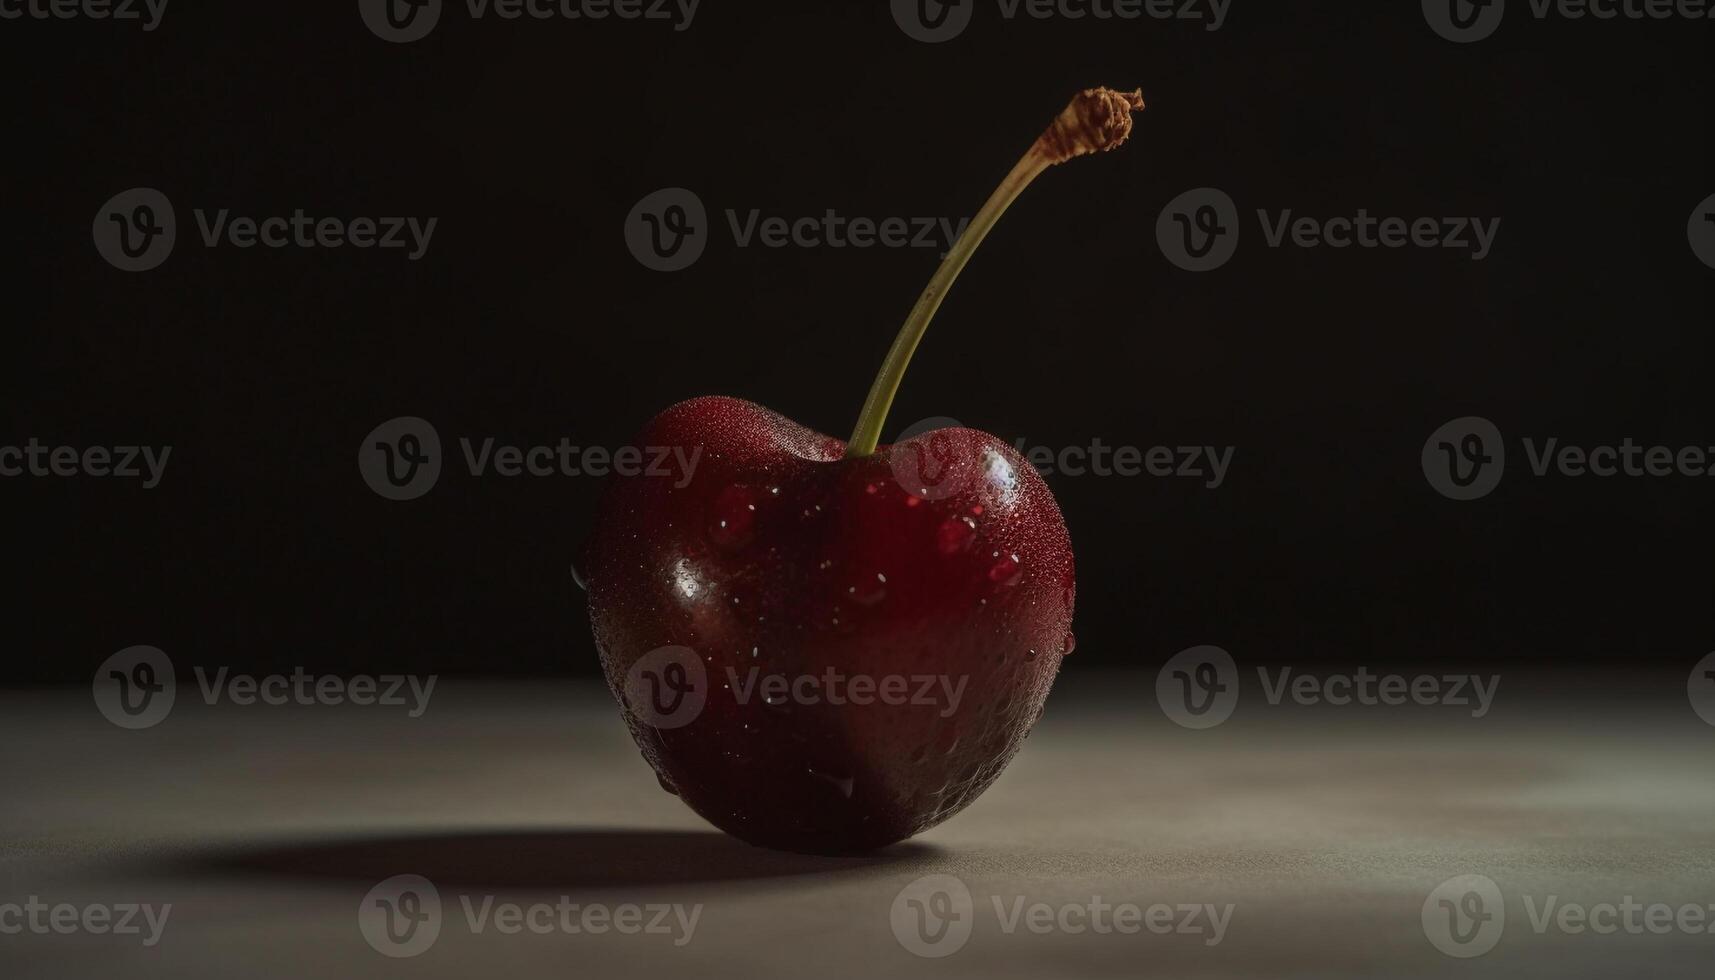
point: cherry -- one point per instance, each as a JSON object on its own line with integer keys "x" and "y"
{"x": 829, "y": 646}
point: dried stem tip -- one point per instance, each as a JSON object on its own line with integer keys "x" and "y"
{"x": 1097, "y": 119}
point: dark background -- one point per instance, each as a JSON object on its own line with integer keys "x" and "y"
{"x": 529, "y": 320}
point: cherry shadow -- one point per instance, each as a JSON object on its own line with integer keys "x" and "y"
{"x": 530, "y": 858}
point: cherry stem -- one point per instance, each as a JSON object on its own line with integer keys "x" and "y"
{"x": 1097, "y": 119}
{"x": 867, "y": 434}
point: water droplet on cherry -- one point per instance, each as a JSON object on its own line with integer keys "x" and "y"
{"x": 578, "y": 578}
{"x": 732, "y": 517}
{"x": 955, "y": 535}
{"x": 868, "y": 590}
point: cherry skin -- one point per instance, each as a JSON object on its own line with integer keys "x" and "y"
{"x": 916, "y": 602}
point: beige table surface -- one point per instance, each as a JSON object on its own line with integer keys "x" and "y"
{"x": 1325, "y": 829}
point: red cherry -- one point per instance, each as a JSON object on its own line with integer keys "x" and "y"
{"x": 837, "y": 573}
{"x": 909, "y": 604}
